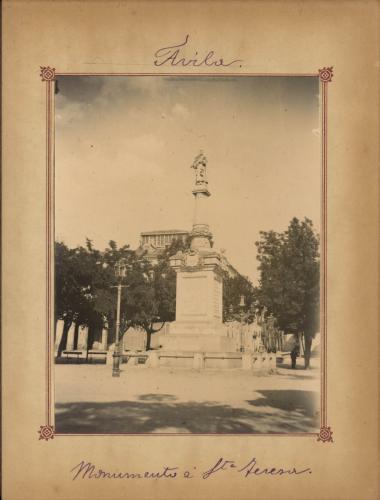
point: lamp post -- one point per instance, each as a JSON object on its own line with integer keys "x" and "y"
{"x": 120, "y": 273}
{"x": 241, "y": 305}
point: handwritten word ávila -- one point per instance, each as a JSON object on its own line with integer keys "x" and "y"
{"x": 173, "y": 56}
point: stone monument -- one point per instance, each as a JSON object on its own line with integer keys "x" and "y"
{"x": 199, "y": 298}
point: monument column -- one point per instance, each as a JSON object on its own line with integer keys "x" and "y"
{"x": 199, "y": 305}
{"x": 200, "y": 234}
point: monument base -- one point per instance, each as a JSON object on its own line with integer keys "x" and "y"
{"x": 197, "y": 343}
{"x": 261, "y": 364}
{"x": 197, "y": 336}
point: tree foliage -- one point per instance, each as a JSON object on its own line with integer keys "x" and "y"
{"x": 233, "y": 288}
{"x": 85, "y": 288}
{"x": 289, "y": 279}
{"x": 74, "y": 297}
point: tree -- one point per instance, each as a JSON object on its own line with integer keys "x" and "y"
{"x": 157, "y": 297}
{"x": 86, "y": 282}
{"x": 289, "y": 279}
{"x": 105, "y": 282}
{"x": 233, "y": 288}
{"x": 73, "y": 297}
{"x": 65, "y": 291}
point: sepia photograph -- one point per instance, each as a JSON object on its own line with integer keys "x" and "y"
{"x": 187, "y": 228}
{"x": 190, "y": 250}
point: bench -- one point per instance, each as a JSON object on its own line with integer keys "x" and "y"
{"x": 95, "y": 353}
{"x": 78, "y": 354}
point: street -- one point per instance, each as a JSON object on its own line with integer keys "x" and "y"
{"x": 166, "y": 400}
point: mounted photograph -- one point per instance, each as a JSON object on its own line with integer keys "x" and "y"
{"x": 188, "y": 269}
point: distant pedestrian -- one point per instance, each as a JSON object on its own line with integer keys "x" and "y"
{"x": 294, "y": 353}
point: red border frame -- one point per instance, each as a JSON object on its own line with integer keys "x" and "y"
{"x": 48, "y": 75}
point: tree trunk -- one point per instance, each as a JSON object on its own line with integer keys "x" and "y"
{"x": 76, "y": 335}
{"x": 63, "y": 341}
{"x": 308, "y": 342}
{"x": 90, "y": 339}
{"x": 149, "y": 331}
{"x": 148, "y": 339}
{"x": 111, "y": 331}
{"x": 301, "y": 340}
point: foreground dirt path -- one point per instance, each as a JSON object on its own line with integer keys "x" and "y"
{"x": 163, "y": 400}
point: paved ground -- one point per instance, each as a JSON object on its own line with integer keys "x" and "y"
{"x": 164, "y": 400}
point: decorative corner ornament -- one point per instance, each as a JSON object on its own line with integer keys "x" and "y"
{"x": 325, "y": 435}
{"x": 326, "y": 74}
{"x": 46, "y": 432}
{"x": 47, "y": 73}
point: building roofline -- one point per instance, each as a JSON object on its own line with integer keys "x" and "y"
{"x": 165, "y": 231}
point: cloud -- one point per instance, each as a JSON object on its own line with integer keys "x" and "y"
{"x": 124, "y": 147}
{"x": 69, "y": 112}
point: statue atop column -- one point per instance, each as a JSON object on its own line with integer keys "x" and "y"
{"x": 200, "y": 234}
{"x": 199, "y": 166}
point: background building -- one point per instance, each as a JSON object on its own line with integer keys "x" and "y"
{"x": 153, "y": 242}
{"x": 162, "y": 239}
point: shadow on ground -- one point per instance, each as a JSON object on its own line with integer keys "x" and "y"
{"x": 288, "y": 401}
{"x": 291, "y": 375}
{"x": 286, "y": 365}
{"x": 272, "y": 412}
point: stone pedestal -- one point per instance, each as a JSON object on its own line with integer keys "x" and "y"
{"x": 199, "y": 296}
{"x": 109, "y": 357}
{"x": 199, "y": 361}
{"x": 153, "y": 359}
{"x": 197, "y": 343}
{"x": 70, "y": 338}
{"x": 247, "y": 361}
{"x": 272, "y": 361}
{"x": 104, "y": 338}
{"x": 265, "y": 362}
{"x": 82, "y": 338}
{"x": 199, "y": 305}
{"x": 257, "y": 362}
{"x": 58, "y": 333}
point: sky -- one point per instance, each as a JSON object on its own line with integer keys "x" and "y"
{"x": 125, "y": 145}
